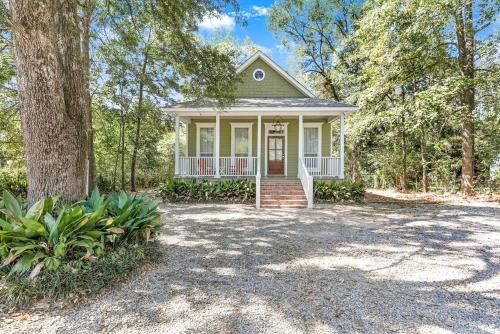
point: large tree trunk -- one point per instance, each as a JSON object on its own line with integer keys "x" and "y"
{"x": 88, "y": 10}
{"x": 137, "y": 138}
{"x": 465, "y": 40}
{"x": 52, "y": 97}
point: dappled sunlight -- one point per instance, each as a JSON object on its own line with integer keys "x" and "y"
{"x": 344, "y": 269}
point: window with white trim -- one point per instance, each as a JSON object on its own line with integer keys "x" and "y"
{"x": 207, "y": 141}
{"x": 241, "y": 139}
{"x": 259, "y": 74}
{"x": 241, "y": 142}
{"x": 311, "y": 142}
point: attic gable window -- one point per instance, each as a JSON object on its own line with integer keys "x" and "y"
{"x": 259, "y": 74}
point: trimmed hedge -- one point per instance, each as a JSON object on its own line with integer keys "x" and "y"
{"x": 338, "y": 191}
{"x": 233, "y": 191}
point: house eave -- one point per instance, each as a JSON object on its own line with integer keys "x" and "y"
{"x": 264, "y": 111}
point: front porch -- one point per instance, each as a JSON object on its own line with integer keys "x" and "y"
{"x": 230, "y": 167}
{"x": 232, "y": 146}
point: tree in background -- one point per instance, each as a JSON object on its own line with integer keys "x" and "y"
{"x": 56, "y": 43}
{"x": 412, "y": 67}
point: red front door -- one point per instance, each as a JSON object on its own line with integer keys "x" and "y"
{"x": 276, "y": 155}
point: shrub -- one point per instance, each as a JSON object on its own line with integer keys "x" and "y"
{"x": 236, "y": 191}
{"x": 44, "y": 236}
{"x": 338, "y": 191}
{"x": 78, "y": 278}
{"x": 15, "y": 183}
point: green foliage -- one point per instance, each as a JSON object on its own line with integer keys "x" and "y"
{"x": 397, "y": 60}
{"x": 45, "y": 235}
{"x": 338, "y": 191}
{"x": 236, "y": 191}
{"x": 78, "y": 278}
{"x": 14, "y": 182}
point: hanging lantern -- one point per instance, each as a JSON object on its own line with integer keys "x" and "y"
{"x": 277, "y": 126}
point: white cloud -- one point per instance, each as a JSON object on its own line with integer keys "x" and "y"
{"x": 217, "y": 22}
{"x": 260, "y": 11}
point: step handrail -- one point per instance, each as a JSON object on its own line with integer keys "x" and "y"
{"x": 307, "y": 183}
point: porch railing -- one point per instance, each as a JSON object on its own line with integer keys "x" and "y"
{"x": 323, "y": 166}
{"x": 238, "y": 166}
{"x": 307, "y": 183}
{"x": 206, "y": 166}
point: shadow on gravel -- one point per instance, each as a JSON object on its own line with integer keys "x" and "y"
{"x": 373, "y": 268}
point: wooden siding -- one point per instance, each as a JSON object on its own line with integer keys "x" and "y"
{"x": 273, "y": 85}
{"x": 293, "y": 139}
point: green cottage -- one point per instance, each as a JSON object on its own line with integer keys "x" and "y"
{"x": 276, "y": 131}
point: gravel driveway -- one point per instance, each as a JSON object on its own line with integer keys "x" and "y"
{"x": 373, "y": 268}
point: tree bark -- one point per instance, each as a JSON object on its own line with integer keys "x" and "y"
{"x": 465, "y": 40}
{"x": 138, "y": 124}
{"x": 88, "y": 10}
{"x": 52, "y": 97}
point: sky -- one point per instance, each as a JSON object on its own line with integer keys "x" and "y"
{"x": 255, "y": 29}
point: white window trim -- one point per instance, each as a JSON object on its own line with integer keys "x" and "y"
{"x": 233, "y": 137}
{"x": 198, "y": 138}
{"x": 268, "y": 127}
{"x": 319, "y": 126}
{"x": 263, "y": 72}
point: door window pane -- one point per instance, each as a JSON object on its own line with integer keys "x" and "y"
{"x": 272, "y": 155}
{"x": 279, "y": 143}
{"x": 272, "y": 143}
{"x": 241, "y": 142}
{"x": 207, "y": 139}
{"x": 279, "y": 155}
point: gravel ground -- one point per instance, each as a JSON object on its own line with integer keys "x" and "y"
{"x": 373, "y": 268}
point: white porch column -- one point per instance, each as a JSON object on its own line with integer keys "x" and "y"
{"x": 301, "y": 139}
{"x": 217, "y": 145}
{"x": 342, "y": 132}
{"x": 176, "y": 145}
{"x": 259, "y": 141}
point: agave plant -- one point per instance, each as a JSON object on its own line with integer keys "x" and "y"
{"x": 135, "y": 214}
{"x": 41, "y": 236}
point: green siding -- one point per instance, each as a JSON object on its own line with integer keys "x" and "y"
{"x": 273, "y": 85}
{"x": 293, "y": 139}
{"x": 325, "y": 139}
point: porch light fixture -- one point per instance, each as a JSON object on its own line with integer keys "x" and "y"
{"x": 277, "y": 126}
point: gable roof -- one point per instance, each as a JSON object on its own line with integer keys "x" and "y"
{"x": 277, "y": 68}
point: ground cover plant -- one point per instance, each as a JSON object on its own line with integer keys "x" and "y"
{"x": 234, "y": 191}
{"x": 338, "y": 191}
{"x": 49, "y": 239}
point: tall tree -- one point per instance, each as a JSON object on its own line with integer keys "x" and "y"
{"x": 87, "y": 13}
{"x": 52, "y": 95}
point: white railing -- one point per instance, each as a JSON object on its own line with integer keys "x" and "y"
{"x": 323, "y": 166}
{"x": 228, "y": 166}
{"x": 238, "y": 166}
{"x": 307, "y": 183}
{"x": 257, "y": 190}
{"x": 196, "y": 166}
